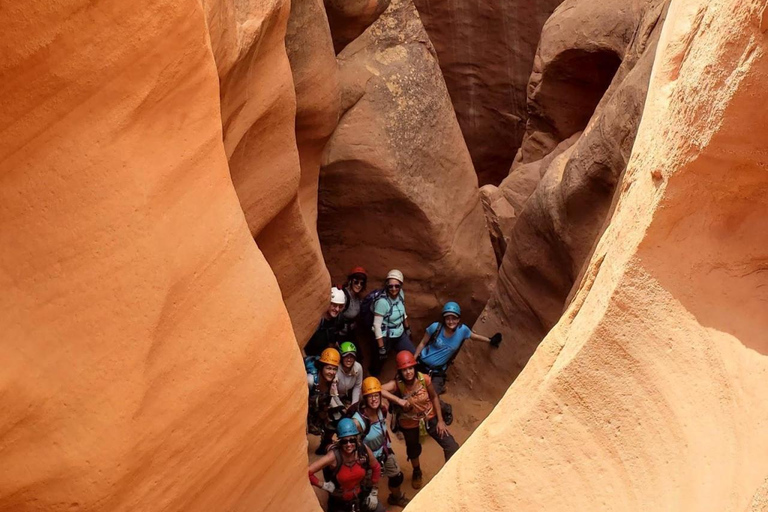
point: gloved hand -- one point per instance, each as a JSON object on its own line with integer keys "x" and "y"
{"x": 372, "y": 501}
{"x": 328, "y": 486}
{"x": 496, "y": 340}
{"x": 382, "y": 353}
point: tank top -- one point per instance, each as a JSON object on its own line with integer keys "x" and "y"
{"x": 418, "y": 395}
{"x": 376, "y": 439}
{"x": 349, "y": 479}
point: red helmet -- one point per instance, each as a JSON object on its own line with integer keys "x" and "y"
{"x": 405, "y": 360}
{"x": 358, "y": 270}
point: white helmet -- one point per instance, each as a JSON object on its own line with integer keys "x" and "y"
{"x": 395, "y": 274}
{"x": 337, "y": 296}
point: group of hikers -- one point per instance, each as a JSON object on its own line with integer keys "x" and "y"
{"x": 344, "y": 405}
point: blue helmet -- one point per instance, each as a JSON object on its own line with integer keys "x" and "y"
{"x": 451, "y": 308}
{"x": 346, "y": 428}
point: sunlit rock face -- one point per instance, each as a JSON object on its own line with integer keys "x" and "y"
{"x": 397, "y": 185}
{"x": 135, "y": 305}
{"x": 258, "y": 113}
{"x": 649, "y": 393}
{"x": 550, "y": 211}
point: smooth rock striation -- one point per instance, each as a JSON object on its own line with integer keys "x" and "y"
{"x": 135, "y": 305}
{"x": 561, "y": 202}
{"x": 258, "y": 112}
{"x": 649, "y": 394}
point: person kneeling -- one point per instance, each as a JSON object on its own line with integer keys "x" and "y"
{"x": 413, "y": 392}
{"x": 344, "y": 470}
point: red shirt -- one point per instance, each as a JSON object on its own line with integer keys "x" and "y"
{"x": 349, "y": 478}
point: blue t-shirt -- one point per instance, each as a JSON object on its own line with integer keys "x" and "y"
{"x": 376, "y": 439}
{"x": 393, "y": 312}
{"x": 440, "y": 351}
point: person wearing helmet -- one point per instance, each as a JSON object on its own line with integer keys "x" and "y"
{"x": 370, "y": 417}
{"x": 327, "y": 332}
{"x": 414, "y": 392}
{"x": 441, "y": 343}
{"x": 344, "y": 469}
{"x": 325, "y": 406}
{"x": 350, "y": 377}
{"x": 390, "y": 321}
{"x": 354, "y": 289}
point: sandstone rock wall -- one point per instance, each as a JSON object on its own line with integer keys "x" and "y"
{"x": 486, "y": 52}
{"x": 135, "y": 304}
{"x": 349, "y": 18}
{"x": 397, "y": 184}
{"x": 258, "y": 111}
{"x": 649, "y": 394}
{"x": 556, "y": 207}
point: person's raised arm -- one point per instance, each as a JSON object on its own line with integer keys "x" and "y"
{"x": 387, "y": 391}
{"x": 324, "y": 461}
{"x": 494, "y": 340}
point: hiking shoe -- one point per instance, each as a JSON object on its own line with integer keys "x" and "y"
{"x": 398, "y": 501}
{"x": 416, "y": 478}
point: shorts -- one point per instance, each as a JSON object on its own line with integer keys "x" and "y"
{"x": 390, "y": 467}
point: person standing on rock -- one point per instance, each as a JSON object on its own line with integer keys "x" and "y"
{"x": 413, "y": 391}
{"x": 354, "y": 290}
{"x": 370, "y": 418}
{"x": 390, "y": 321}
{"x": 441, "y": 344}
{"x": 345, "y": 469}
{"x": 327, "y": 332}
{"x": 351, "y": 375}
{"x": 325, "y": 406}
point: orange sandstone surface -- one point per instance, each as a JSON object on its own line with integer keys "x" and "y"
{"x": 140, "y": 322}
{"x": 258, "y": 114}
{"x": 649, "y": 394}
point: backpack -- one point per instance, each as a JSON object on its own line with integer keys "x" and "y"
{"x": 311, "y": 367}
{"x": 368, "y": 305}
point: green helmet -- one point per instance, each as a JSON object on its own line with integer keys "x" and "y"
{"x": 348, "y": 348}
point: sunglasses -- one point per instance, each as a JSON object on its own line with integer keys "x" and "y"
{"x": 393, "y": 286}
{"x": 348, "y": 440}
{"x": 358, "y": 281}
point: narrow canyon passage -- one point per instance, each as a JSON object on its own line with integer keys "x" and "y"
{"x": 182, "y": 183}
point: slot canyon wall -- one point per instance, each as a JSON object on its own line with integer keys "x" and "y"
{"x": 276, "y": 180}
{"x": 649, "y": 393}
{"x": 397, "y": 186}
{"x": 486, "y": 51}
{"x": 140, "y": 321}
{"x": 586, "y": 97}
